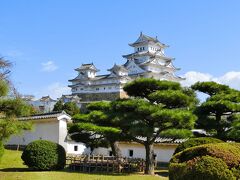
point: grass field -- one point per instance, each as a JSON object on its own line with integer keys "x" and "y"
{"x": 12, "y": 168}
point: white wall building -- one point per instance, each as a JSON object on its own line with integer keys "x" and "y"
{"x": 163, "y": 149}
{"x": 44, "y": 105}
{"x": 53, "y": 127}
{"x": 148, "y": 60}
{"x": 49, "y": 126}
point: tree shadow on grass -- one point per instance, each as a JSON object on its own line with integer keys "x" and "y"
{"x": 15, "y": 170}
{"x": 65, "y": 170}
{"x": 162, "y": 173}
{"x": 97, "y": 173}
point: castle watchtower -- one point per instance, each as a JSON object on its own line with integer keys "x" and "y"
{"x": 86, "y": 71}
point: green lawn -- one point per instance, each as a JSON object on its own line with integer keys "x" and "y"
{"x": 12, "y": 168}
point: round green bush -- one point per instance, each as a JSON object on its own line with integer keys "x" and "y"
{"x": 1, "y": 149}
{"x": 44, "y": 155}
{"x": 218, "y": 161}
{"x": 196, "y": 142}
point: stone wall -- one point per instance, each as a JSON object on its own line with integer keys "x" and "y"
{"x": 102, "y": 96}
{"x": 88, "y": 98}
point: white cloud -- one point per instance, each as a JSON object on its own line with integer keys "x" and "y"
{"x": 54, "y": 90}
{"x": 49, "y": 66}
{"x": 231, "y": 78}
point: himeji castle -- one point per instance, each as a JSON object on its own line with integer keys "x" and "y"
{"x": 147, "y": 60}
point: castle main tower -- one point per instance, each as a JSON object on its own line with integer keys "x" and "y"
{"x": 147, "y": 60}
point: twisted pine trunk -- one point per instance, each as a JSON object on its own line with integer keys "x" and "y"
{"x": 115, "y": 149}
{"x": 149, "y": 169}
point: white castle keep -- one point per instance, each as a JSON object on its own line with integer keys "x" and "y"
{"x": 148, "y": 60}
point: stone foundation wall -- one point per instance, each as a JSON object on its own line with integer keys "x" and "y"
{"x": 102, "y": 96}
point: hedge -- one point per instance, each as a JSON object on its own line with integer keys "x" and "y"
{"x": 44, "y": 155}
{"x": 1, "y": 150}
{"x": 196, "y": 142}
{"x": 209, "y": 161}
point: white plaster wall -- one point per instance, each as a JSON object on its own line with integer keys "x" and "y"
{"x": 62, "y": 133}
{"x": 43, "y": 130}
{"x": 153, "y": 47}
{"x": 101, "y": 151}
{"x": 163, "y": 152}
{"x": 81, "y": 148}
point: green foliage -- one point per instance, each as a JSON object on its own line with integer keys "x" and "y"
{"x": 101, "y": 105}
{"x": 210, "y": 88}
{"x": 3, "y": 88}
{"x": 71, "y": 108}
{"x": 208, "y": 161}
{"x": 214, "y": 115}
{"x": 44, "y": 155}
{"x": 1, "y": 150}
{"x": 95, "y": 128}
{"x": 10, "y": 108}
{"x": 205, "y": 167}
{"x": 236, "y": 172}
{"x": 142, "y": 87}
{"x": 155, "y": 108}
{"x": 15, "y": 107}
{"x": 12, "y": 126}
{"x": 226, "y": 151}
{"x": 174, "y": 118}
{"x": 196, "y": 142}
{"x": 176, "y": 133}
{"x": 234, "y": 132}
{"x": 80, "y": 118}
{"x": 171, "y": 98}
{"x": 58, "y": 106}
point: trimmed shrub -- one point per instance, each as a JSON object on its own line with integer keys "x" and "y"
{"x": 44, "y": 155}
{"x": 200, "y": 168}
{"x": 1, "y": 150}
{"x": 218, "y": 161}
{"x": 196, "y": 142}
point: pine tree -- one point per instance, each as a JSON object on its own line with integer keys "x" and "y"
{"x": 155, "y": 109}
{"x": 218, "y": 114}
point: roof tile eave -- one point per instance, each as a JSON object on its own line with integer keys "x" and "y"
{"x": 45, "y": 116}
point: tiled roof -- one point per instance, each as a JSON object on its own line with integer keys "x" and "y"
{"x": 117, "y": 68}
{"x": 87, "y": 66}
{"x": 46, "y": 98}
{"x": 45, "y": 115}
{"x": 146, "y": 53}
{"x": 144, "y": 38}
{"x": 165, "y": 140}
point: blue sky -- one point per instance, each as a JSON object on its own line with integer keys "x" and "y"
{"x": 46, "y": 40}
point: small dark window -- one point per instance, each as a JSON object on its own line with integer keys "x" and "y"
{"x": 154, "y": 156}
{"x": 75, "y": 148}
{"x": 130, "y": 153}
{"x": 41, "y": 108}
{"x": 110, "y": 153}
